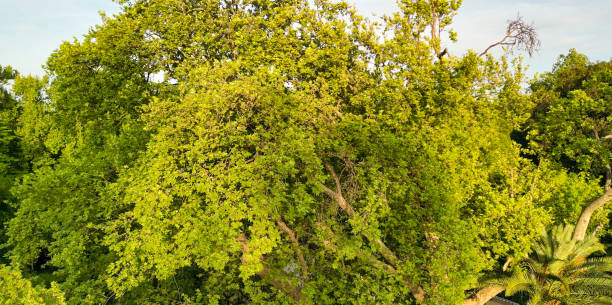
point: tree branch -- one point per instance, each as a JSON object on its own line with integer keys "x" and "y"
{"x": 507, "y": 263}
{"x": 337, "y": 195}
{"x": 418, "y": 292}
{"x": 587, "y": 212}
{"x": 519, "y": 35}
{"x": 369, "y": 257}
{"x": 296, "y": 248}
{"x": 434, "y": 30}
{"x": 493, "y": 46}
{"x": 346, "y": 207}
{"x": 484, "y": 295}
{"x": 294, "y": 292}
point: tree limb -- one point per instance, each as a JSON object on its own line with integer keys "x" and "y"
{"x": 519, "y": 35}
{"x": 345, "y": 206}
{"x": 501, "y": 42}
{"x": 417, "y": 292}
{"x": 369, "y": 257}
{"x": 294, "y": 292}
{"x": 483, "y": 295}
{"x": 507, "y": 263}
{"x": 587, "y": 212}
{"x": 434, "y": 29}
{"x": 296, "y": 247}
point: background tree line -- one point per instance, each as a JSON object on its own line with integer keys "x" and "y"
{"x": 295, "y": 152}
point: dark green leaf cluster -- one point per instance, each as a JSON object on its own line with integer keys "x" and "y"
{"x": 571, "y": 125}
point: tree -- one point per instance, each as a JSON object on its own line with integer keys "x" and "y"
{"x": 571, "y": 124}
{"x": 272, "y": 152}
{"x": 292, "y": 176}
{"x": 79, "y": 126}
{"x": 568, "y": 113}
{"x": 561, "y": 271}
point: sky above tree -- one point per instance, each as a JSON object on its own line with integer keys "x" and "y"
{"x": 31, "y": 29}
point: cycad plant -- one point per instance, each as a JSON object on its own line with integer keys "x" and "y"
{"x": 560, "y": 272}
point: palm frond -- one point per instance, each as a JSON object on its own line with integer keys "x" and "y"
{"x": 559, "y": 271}
{"x": 519, "y": 281}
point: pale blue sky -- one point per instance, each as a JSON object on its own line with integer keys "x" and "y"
{"x": 31, "y": 29}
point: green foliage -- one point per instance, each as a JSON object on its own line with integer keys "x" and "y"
{"x": 247, "y": 143}
{"x": 568, "y": 193}
{"x": 11, "y": 160}
{"x": 79, "y": 128}
{"x": 570, "y": 125}
{"x": 15, "y": 290}
{"x": 276, "y": 152}
{"x": 572, "y": 114}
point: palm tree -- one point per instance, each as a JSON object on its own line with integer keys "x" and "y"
{"x": 560, "y": 272}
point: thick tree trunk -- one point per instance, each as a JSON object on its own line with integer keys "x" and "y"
{"x": 484, "y": 295}
{"x": 587, "y": 212}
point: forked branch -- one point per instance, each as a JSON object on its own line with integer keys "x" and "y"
{"x": 296, "y": 247}
{"x": 418, "y": 292}
{"x": 329, "y": 242}
{"x": 520, "y": 36}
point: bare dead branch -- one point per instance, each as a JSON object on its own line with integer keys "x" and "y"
{"x": 519, "y": 36}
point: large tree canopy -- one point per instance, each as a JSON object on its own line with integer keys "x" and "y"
{"x": 278, "y": 152}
